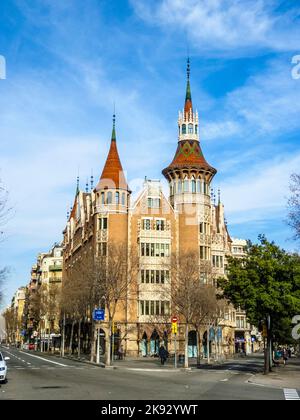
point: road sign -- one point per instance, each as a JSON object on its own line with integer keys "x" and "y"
{"x": 174, "y": 320}
{"x": 98, "y": 314}
{"x": 264, "y": 331}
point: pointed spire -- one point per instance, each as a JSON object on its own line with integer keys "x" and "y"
{"x": 77, "y": 185}
{"x": 112, "y": 174}
{"x": 113, "y": 134}
{"x": 188, "y": 95}
{"x": 87, "y": 186}
{"x": 219, "y": 196}
{"x": 92, "y": 180}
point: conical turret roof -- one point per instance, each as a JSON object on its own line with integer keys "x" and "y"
{"x": 112, "y": 176}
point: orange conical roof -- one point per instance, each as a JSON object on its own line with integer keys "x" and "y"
{"x": 112, "y": 174}
{"x": 189, "y": 155}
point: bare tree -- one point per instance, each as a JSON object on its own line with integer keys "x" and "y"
{"x": 10, "y": 324}
{"x": 4, "y": 212}
{"x": 115, "y": 275}
{"x": 185, "y": 284}
{"x": 294, "y": 205}
{"x": 205, "y": 312}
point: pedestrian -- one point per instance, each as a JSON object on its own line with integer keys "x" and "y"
{"x": 163, "y": 354}
{"x": 285, "y": 355}
{"x": 121, "y": 353}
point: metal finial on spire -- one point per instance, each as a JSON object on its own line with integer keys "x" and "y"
{"x": 113, "y": 136}
{"x": 188, "y": 69}
{"x": 87, "y": 186}
{"x": 92, "y": 181}
{"x": 77, "y": 186}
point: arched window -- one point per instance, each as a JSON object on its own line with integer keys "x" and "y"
{"x": 186, "y": 185}
{"x": 123, "y": 199}
{"x": 196, "y": 129}
{"x": 198, "y": 185}
{"x": 109, "y": 197}
{"x": 191, "y": 129}
{"x": 193, "y": 185}
{"x": 117, "y": 198}
{"x": 183, "y": 129}
{"x": 102, "y": 198}
{"x": 179, "y": 186}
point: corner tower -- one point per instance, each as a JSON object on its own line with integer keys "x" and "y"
{"x": 112, "y": 199}
{"x": 189, "y": 173}
{"x": 189, "y": 176}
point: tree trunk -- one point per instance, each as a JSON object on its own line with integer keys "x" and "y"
{"x": 207, "y": 345}
{"x": 186, "y": 347}
{"x": 63, "y": 337}
{"x": 79, "y": 340}
{"x": 108, "y": 347}
{"x": 93, "y": 341}
{"x": 71, "y": 338}
{"x": 199, "y": 342}
{"x": 48, "y": 344}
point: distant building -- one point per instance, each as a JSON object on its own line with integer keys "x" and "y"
{"x": 41, "y": 312}
{"x": 2, "y": 329}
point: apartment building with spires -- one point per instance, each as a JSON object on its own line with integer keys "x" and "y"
{"x": 157, "y": 226}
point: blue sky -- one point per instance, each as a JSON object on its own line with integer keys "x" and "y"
{"x": 68, "y": 62}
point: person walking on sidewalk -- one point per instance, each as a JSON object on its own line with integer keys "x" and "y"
{"x": 121, "y": 353}
{"x": 163, "y": 354}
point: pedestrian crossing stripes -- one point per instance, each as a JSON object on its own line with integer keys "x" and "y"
{"x": 291, "y": 394}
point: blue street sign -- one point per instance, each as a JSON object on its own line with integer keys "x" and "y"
{"x": 98, "y": 314}
{"x": 219, "y": 334}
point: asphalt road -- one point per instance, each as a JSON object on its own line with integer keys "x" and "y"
{"x": 33, "y": 376}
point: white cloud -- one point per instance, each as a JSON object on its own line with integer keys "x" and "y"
{"x": 225, "y": 25}
{"x": 260, "y": 192}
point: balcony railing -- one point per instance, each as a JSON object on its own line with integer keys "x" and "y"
{"x": 55, "y": 267}
{"x": 54, "y": 279}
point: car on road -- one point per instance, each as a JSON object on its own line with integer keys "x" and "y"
{"x": 3, "y": 367}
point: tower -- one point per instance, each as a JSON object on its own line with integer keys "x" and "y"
{"x": 112, "y": 200}
{"x": 189, "y": 176}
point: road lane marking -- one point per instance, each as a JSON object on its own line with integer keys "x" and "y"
{"x": 291, "y": 394}
{"x": 46, "y": 360}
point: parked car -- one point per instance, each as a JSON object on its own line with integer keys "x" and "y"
{"x": 3, "y": 368}
{"x": 31, "y": 346}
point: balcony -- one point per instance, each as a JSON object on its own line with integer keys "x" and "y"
{"x": 54, "y": 279}
{"x": 55, "y": 267}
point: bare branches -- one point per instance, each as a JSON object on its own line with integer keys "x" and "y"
{"x": 4, "y": 209}
{"x": 294, "y": 205}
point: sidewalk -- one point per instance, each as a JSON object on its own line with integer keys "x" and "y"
{"x": 287, "y": 376}
{"x": 149, "y": 363}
